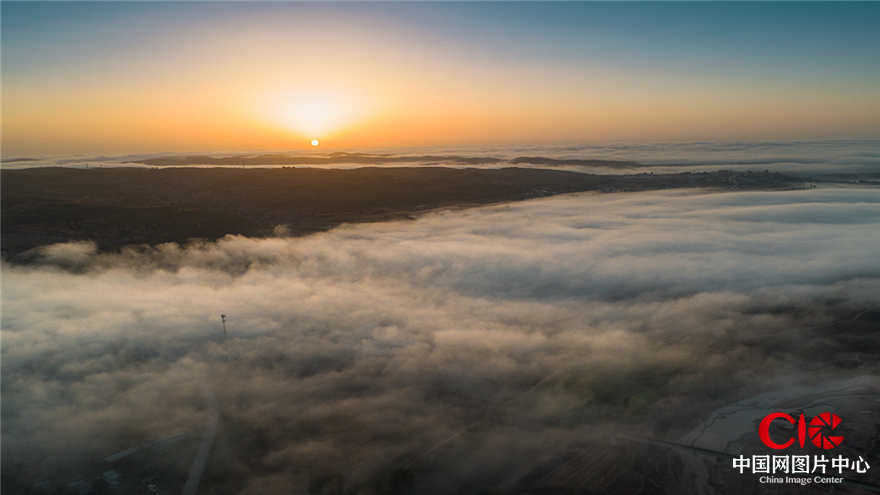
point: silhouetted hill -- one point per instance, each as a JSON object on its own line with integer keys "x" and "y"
{"x": 120, "y": 206}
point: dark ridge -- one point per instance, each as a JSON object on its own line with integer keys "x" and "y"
{"x": 371, "y": 159}
{"x": 101, "y": 158}
{"x": 746, "y": 161}
{"x": 23, "y": 159}
{"x": 333, "y": 158}
{"x": 543, "y": 160}
{"x": 116, "y": 207}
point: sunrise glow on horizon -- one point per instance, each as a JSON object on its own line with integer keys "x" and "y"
{"x": 145, "y": 77}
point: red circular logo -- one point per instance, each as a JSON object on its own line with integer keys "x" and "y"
{"x": 820, "y": 428}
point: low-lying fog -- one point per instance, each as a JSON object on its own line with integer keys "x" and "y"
{"x": 812, "y": 158}
{"x": 464, "y": 347}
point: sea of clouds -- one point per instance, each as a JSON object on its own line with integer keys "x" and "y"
{"x": 813, "y": 158}
{"x": 450, "y": 353}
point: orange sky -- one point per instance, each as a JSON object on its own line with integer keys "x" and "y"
{"x": 244, "y": 80}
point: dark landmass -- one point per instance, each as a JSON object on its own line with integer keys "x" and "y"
{"x": 100, "y": 158}
{"x": 543, "y": 160}
{"x": 116, "y": 207}
{"x": 13, "y": 160}
{"x": 331, "y": 159}
{"x": 370, "y": 159}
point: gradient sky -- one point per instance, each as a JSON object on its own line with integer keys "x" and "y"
{"x": 149, "y": 77}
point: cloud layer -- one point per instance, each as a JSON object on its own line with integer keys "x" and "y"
{"x": 813, "y": 158}
{"x": 456, "y": 352}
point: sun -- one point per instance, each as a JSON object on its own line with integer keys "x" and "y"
{"x": 315, "y": 142}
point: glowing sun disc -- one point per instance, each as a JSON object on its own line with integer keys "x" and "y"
{"x": 315, "y": 142}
